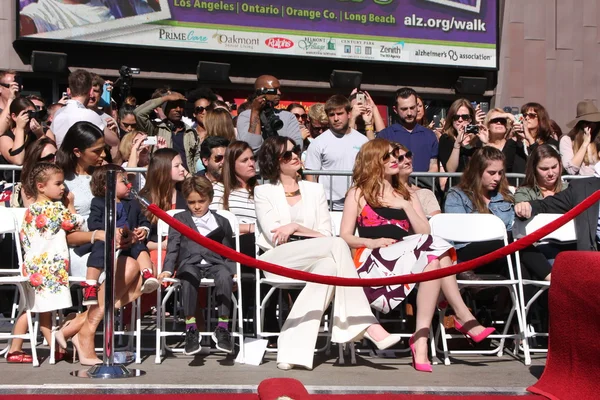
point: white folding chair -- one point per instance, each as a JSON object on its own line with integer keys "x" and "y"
{"x": 564, "y": 235}
{"x": 9, "y": 225}
{"x": 467, "y": 228}
{"x": 161, "y": 331}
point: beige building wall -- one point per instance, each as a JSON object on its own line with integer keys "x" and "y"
{"x": 550, "y": 53}
{"x": 8, "y": 57}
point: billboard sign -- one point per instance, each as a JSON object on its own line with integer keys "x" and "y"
{"x": 436, "y": 32}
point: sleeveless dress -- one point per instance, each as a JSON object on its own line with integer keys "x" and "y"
{"x": 410, "y": 255}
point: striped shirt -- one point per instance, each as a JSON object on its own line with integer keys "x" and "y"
{"x": 239, "y": 204}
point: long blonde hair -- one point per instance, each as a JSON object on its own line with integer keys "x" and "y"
{"x": 367, "y": 175}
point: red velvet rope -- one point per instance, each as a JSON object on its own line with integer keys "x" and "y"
{"x": 387, "y": 281}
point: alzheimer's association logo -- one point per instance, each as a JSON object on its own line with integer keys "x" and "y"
{"x": 279, "y": 43}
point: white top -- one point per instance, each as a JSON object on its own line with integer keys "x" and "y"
{"x": 566, "y": 152}
{"x": 67, "y": 116}
{"x": 333, "y": 152}
{"x": 297, "y": 213}
{"x": 205, "y": 225}
{"x": 53, "y": 15}
{"x": 240, "y": 203}
{"x": 80, "y": 187}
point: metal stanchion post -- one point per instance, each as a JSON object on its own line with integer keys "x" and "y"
{"x": 108, "y": 369}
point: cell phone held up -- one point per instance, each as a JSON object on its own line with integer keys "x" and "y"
{"x": 150, "y": 141}
{"x": 360, "y": 98}
{"x": 474, "y": 129}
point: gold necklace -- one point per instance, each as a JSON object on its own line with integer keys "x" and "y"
{"x": 293, "y": 194}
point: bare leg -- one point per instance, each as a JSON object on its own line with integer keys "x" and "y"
{"x": 452, "y": 294}
{"x": 427, "y": 297}
{"x": 19, "y": 329}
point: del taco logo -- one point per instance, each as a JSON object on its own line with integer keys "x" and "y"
{"x": 279, "y": 43}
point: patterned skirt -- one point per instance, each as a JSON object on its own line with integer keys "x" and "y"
{"x": 410, "y": 255}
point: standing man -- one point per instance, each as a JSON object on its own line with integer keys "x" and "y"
{"x": 421, "y": 141}
{"x": 257, "y": 123}
{"x": 335, "y": 150}
{"x": 177, "y": 135}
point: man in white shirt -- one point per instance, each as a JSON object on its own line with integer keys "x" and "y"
{"x": 335, "y": 150}
{"x": 80, "y": 86}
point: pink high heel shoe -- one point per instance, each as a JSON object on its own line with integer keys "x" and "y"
{"x": 477, "y": 338}
{"x": 418, "y": 367}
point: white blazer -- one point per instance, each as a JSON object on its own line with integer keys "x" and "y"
{"x": 273, "y": 210}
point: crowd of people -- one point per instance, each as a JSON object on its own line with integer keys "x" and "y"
{"x": 251, "y": 163}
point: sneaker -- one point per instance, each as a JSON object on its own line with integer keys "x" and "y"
{"x": 192, "y": 342}
{"x": 149, "y": 282}
{"x": 222, "y": 338}
{"x": 90, "y": 294}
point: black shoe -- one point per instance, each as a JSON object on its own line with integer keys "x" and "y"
{"x": 192, "y": 342}
{"x": 222, "y": 338}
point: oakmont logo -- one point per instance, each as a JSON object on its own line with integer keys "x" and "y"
{"x": 235, "y": 40}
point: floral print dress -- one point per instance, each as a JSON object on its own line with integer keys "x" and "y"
{"x": 46, "y": 261}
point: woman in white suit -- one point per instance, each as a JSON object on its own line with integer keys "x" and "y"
{"x": 295, "y": 232}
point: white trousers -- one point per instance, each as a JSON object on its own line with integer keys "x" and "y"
{"x": 352, "y": 314}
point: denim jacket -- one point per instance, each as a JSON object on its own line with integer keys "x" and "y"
{"x": 457, "y": 202}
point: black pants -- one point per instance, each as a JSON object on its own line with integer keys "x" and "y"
{"x": 190, "y": 277}
{"x": 96, "y": 258}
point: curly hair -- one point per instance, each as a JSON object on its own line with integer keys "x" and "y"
{"x": 269, "y": 154}
{"x": 471, "y": 184}
{"x": 368, "y": 172}
{"x": 98, "y": 181}
{"x": 40, "y": 173}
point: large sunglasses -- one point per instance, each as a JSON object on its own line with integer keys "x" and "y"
{"x": 219, "y": 158}
{"x": 320, "y": 129}
{"x": 498, "y": 120}
{"x": 126, "y": 125}
{"x": 531, "y": 115}
{"x": 199, "y": 109}
{"x": 464, "y": 117}
{"x": 303, "y": 117}
{"x": 396, "y": 154}
{"x": 49, "y": 157}
{"x": 289, "y": 154}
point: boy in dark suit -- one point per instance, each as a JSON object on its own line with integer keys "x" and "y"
{"x": 195, "y": 262}
{"x": 130, "y": 219}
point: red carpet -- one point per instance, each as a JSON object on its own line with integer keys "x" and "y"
{"x": 233, "y": 396}
{"x": 573, "y": 364}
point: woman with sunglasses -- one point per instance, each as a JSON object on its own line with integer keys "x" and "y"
{"x": 394, "y": 239}
{"x": 235, "y": 191}
{"x": 42, "y": 150}
{"x": 456, "y": 145}
{"x": 300, "y": 113}
{"x": 496, "y": 132}
{"x": 426, "y": 197}
{"x": 536, "y": 129}
{"x": 295, "y": 232}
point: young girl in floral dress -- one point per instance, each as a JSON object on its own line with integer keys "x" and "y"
{"x": 46, "y": 255}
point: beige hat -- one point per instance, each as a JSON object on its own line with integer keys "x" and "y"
{"x": 586, "y": 111}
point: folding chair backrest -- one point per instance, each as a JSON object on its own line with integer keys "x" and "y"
{"x": 233, "y": 221}
{"x": 468, "y": 227}
{"x": 565, "y": 233}
{"x": 336, "y": 222}
{"x": 162, "y": 229}
{"x": 10, "y": 223}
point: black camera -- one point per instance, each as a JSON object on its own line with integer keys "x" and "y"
{"x": 38, "y": 115}
{"x": 472, "y": 129}
{"x": 273, "y": 123}
{"x": 263, "y": 91}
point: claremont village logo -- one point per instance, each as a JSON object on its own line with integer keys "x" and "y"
{"x": 279, "y": 43}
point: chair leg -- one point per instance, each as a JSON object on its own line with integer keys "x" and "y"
{"x": 32, "y": 339}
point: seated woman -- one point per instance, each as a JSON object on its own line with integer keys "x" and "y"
{"x": 394, "y": 235}
{"x": 497, "y": 133}
{"x": 426, "y": 197}
{"x": 484, "y": 189}
{"x": 543, "y": 179}
{"x": 289, "y": 210}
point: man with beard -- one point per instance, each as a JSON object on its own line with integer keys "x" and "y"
{"x": 177, "y": 135}
{"x": 421, "y": 141}
{"x": 335, "y": 150}
{"x": 212, "y": 154}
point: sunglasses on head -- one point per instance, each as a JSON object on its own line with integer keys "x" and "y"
{"x": 287, "y": 155}
{"x": 498, "y": 120}
{"x": 303, "y": 117}
{"x": 464, "y": 117}
{"x": 199, "y": 109}
{"x": 48, "y": 157}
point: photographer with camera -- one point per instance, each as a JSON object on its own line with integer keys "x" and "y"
{"x": 460, "y": 138}
{"x": 263, "y": 120}
{"x": 9, "y": 90}
{"x": 172, "y": 129}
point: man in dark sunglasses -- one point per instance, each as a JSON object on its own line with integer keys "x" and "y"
{"x": 421, "y": 141}
{"x": 212, "y": 154}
